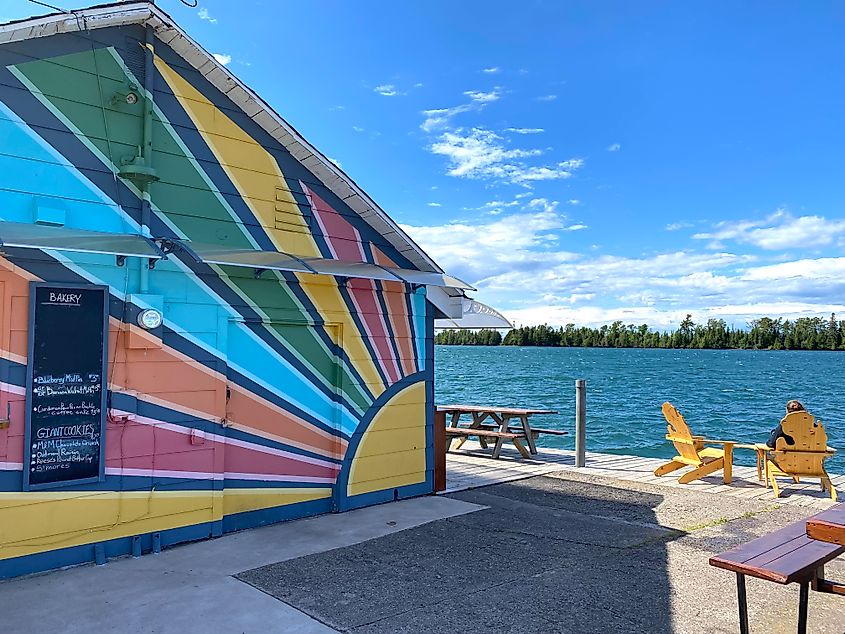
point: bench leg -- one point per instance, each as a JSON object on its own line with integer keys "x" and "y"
{"x": 476, "y": 422}
{"x": 803, "y": 598}
{"x": 742, "y": 602}
{"x": 529, "y": 437}
{"x": 522, "y": 450}
{"x": 498, "y": 448}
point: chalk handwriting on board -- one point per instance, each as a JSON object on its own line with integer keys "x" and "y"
{"x": 66, "y": 395}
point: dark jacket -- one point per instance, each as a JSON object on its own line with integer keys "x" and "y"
{"x": 777, "y": 432}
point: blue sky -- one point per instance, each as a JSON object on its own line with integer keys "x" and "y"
{"x": 576, "y": 161}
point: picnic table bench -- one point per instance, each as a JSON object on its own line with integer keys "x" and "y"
{"x": 794, "y": 554}
{"x": 484, "y": 434}
{"x": 509, "y": 423}
{"x": 535, "y": 431}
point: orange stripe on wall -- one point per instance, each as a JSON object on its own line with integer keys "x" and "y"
{"x": 252, "y": 414}
{"x": 165, "y": 376}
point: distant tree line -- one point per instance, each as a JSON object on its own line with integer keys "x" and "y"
{"x": 765, "y": 333}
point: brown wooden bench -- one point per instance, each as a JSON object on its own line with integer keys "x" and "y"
{"x": 785, "y": 556}
{"x": 483, "y": 434}
{"x": 535, "y": 431}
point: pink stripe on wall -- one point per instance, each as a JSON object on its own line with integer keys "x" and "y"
{"x": 343, "y": 239}
{"x": 363, "y": 294}
{"x": 143, "y": 444}
{"x": 345, "y": 243}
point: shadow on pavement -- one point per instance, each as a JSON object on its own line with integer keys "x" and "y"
{"x": 544, "y": 557}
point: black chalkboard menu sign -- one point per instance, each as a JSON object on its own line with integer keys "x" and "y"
{"x": 66, "y": 385}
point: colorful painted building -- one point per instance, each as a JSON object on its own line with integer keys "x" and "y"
{"x": 266, "y": 329}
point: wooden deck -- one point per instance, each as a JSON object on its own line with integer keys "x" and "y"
{"x": 472, "y": 467}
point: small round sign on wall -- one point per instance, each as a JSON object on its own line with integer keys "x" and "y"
{"x": 149, "y": 319}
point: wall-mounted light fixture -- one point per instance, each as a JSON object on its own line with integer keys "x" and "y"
{"x": 129, "y": 96}
{"x": 149, "y": 319}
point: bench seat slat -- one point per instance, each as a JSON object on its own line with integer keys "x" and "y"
{"x": 801, "y": 563}
{"x": 764, "y": 560}
{"x": 835, "y": 514}
{"x": 465, "y": 431}
{"x": 784, "y": 556}
{"x": 537, "y": 430}
{"x": 554, "y": 432}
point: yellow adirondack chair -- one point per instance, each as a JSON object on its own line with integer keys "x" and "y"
{"x": 804, "y": 457}
{"x": 692, "y": 453}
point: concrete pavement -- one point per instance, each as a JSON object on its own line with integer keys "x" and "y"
{"x": 565, "y": 552}
{"x": 558, "y": 553}
{"x": 190, "y": 588}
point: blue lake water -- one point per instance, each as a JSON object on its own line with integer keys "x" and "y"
{"x": 723, "y": 394}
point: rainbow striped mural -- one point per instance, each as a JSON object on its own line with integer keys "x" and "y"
{"x": 264, "y": 398}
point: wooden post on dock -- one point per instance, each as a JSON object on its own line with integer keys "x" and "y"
{"x": 439, "y": 451}
{"x": 580, "y": 421}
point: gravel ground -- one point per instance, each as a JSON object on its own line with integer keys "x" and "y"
{"x": 561, "y": 553}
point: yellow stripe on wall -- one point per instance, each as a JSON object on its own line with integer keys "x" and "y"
{"x": 392, "y": 451}
{"x": 263, "y": 181}
{"x": 260, "y": 179}
{"x": 243, "y": 500}
{"x": 37, "y": 522}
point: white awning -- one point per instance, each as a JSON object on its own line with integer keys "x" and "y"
{"x": 33, "y": 236}
{"x": 474, "y": 315}
{"x": 277, "y": 261}
{"x": 25, "y": 235}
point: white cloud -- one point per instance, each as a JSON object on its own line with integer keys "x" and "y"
{"x": 336, "y": 108}
{"x": 482, "y": 154}
{"x": 547, "y": 98}
{"x": 479, "y": 96}
{"x": 658, "y": 289}
{"x": 358, "y": 128}
{"x": 498, "y": 204}
{"x": 615, "y": 147}
{"x": 434, "y": 205}
{"x": 441, "y": 117}
{"x": 542, "y": 203}
{"x": 482, "y": 249}
{"x": 737, "y": 314}
{"x": 525, "y": 130}
{"x": 492, "y": 70}
{"x": 476, "y": 152}
{"x": 222, "y": 58}
{"x": 531, "y": 265}
{"x": 387, "y": 90}
{"x": 574, "y": 202}
{"x": 781, "y": 230}
{"x": 204, "y": 15}
{"x": 335, "y": 161}
{"x": 496, "y": 207}
{"x": 674, "y": 226}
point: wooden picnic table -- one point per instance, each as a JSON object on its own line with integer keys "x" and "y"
{"x": 794, "y": 554}
{"x": 501, "y": 428}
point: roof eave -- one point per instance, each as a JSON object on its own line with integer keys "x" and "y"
{"x": 123, "y": 13}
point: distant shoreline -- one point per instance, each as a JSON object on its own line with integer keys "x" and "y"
{"x": 470, "y": 345}
{"x": 765, "y": 333}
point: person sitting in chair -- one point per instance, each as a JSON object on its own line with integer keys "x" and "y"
{"x": 777, "y": 432}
